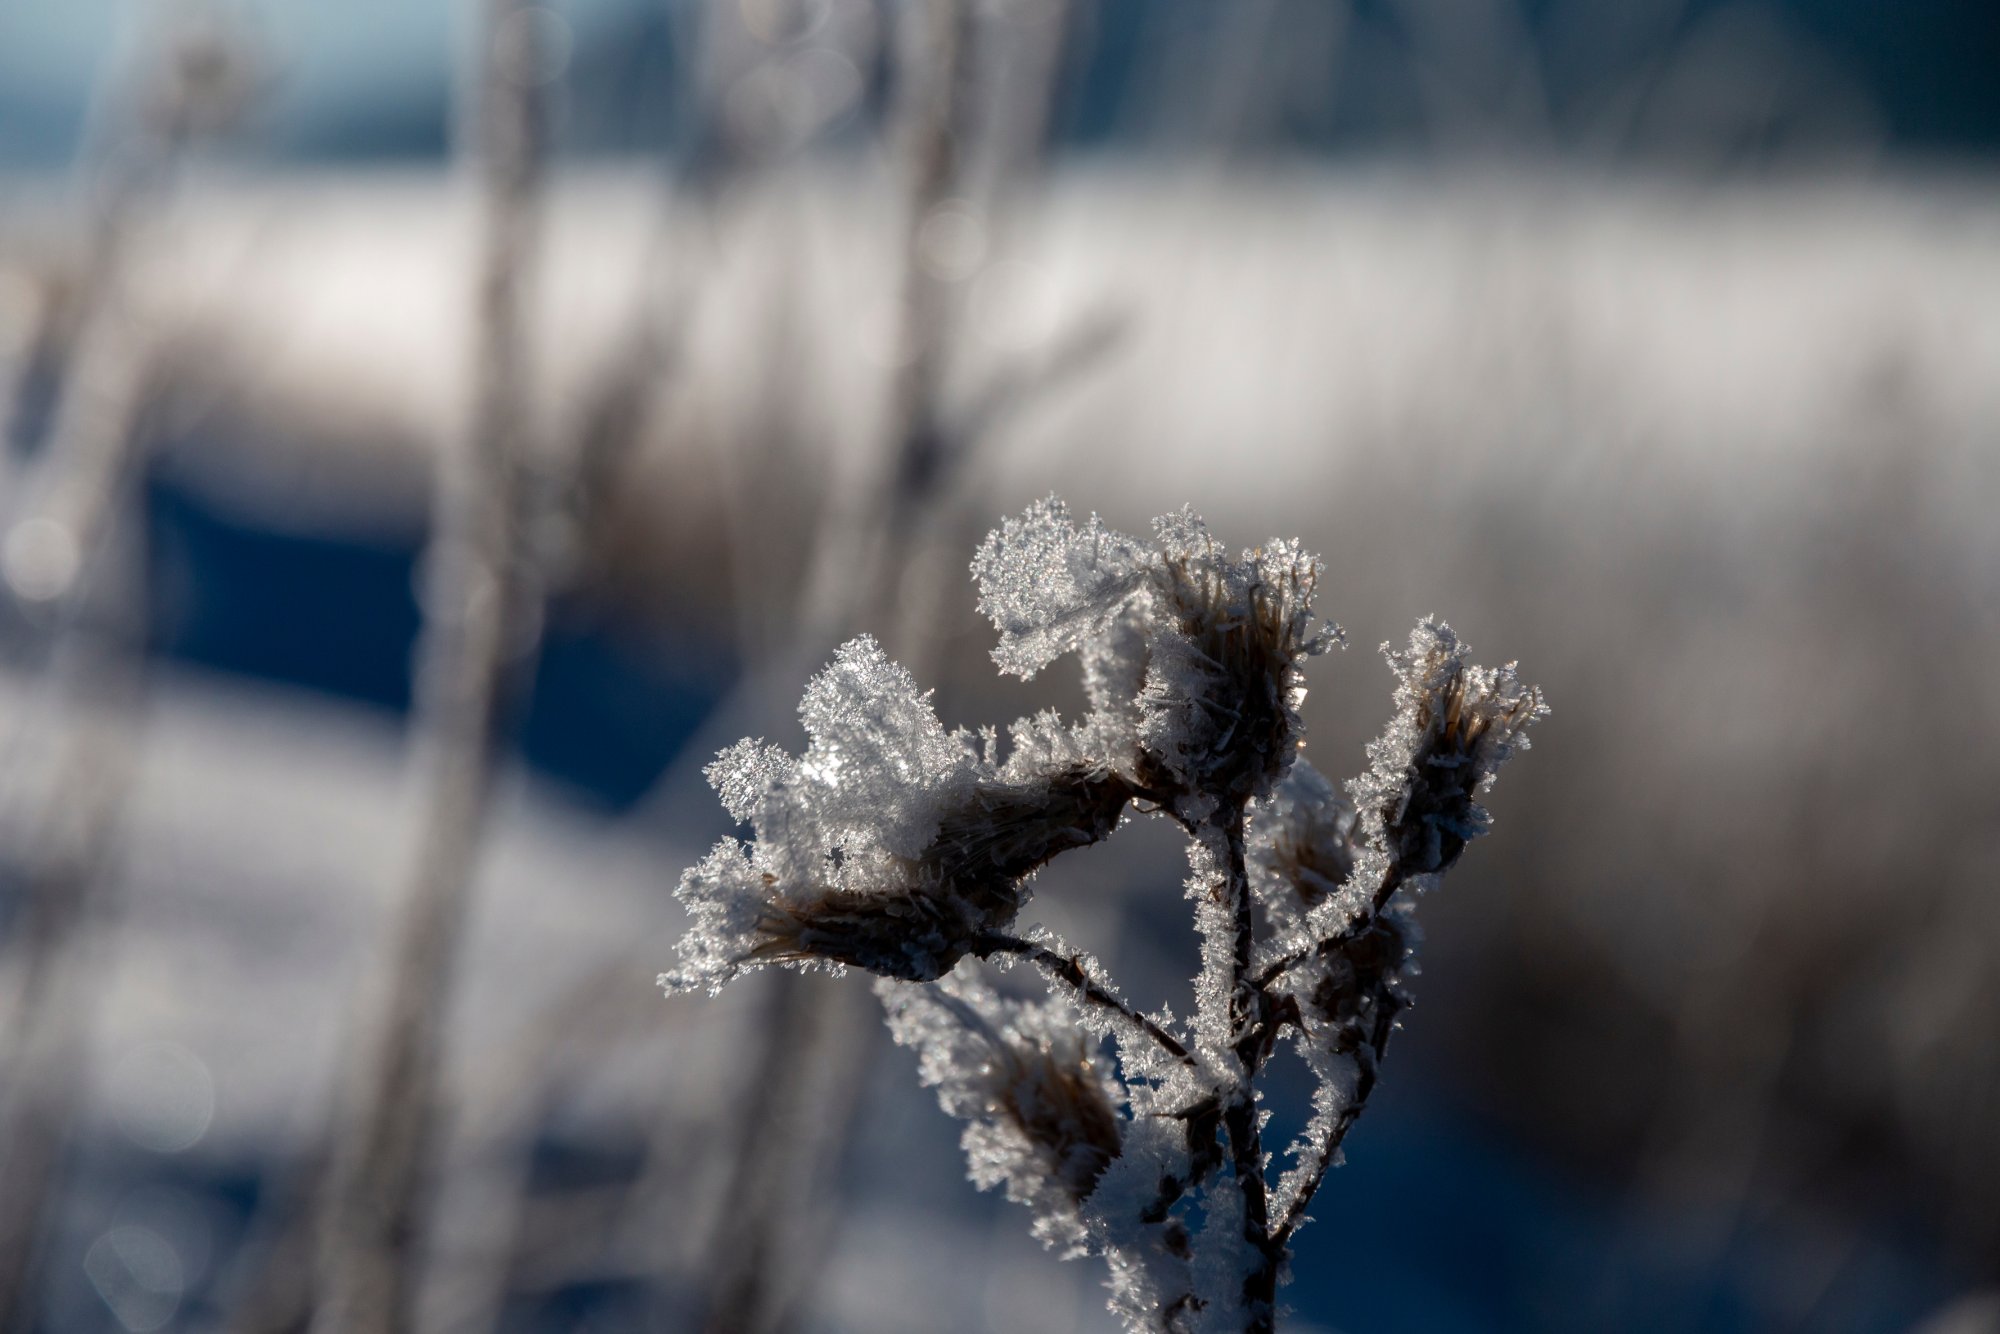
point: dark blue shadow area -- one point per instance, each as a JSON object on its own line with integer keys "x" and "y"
{"x": 1437, "y": 1226}
{"x": 333, "y": 615}
{"x": 565, "y": 1159}
{"x": 148, "y": 1238}
{"x": 605, "y": 714}
{"x": 1923, "y": 66}
{"x": 610, "y": 1305}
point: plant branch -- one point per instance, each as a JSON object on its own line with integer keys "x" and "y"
{"x": 1392, "y": 880}
{"x": 1369, "y": 1061}
{"x": 371, "y": 1217}
{"x": 1070, "y": 971}
{"x": 1020, "y": 385}
{"x": 1260, "y": 1288}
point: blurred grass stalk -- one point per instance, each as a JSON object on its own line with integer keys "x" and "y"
{"x": 72, "y": 562}
{"x": 811, "y": 1047}
{"x": 74, "y": 572}
{"x": 482, "y": 617}
{"x": 808, "y": 1049}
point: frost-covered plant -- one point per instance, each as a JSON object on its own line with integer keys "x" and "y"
{"x": 898, "y": 847}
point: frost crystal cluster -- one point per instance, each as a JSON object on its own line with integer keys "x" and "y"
{"x": 895, "y": 846}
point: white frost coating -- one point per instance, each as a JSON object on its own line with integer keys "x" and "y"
{"x": 841, "y": 820}
{"x": 1302, "y": 853}
{"x": 1096, "y": 1020}
{"x": 1220, "y": 1265}
{"x": 1215, "y": 923}
{"x": 1049, "y": 587}
{"x": 880, "y": 763}
{"x": 1332, "y": 1094}
{"x": 1042, "y": 1113}
{"x": 1454, "y": 725}
{"x": 742, "y": 774}
{"x": 896, "y": 846}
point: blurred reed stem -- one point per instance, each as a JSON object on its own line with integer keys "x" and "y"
{"x": 72, "y": 562}
{"x": 85, "y": 706}
{"x": 808, "y": 1041}
{"x": 481, "y": 617}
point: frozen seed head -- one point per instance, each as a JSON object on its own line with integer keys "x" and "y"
{"x": 1223, "y": 689}
{"x": 1302, "y": 847}
{"x": 901, "y": 917}
{"x": 969, "y": 881}
{"x": 1056, "y": 1098}
{"x": 1358, "y": 975}
{"x": 1191, "y": 656}
{"x": 1041, "y": 1108}
{"x": 890, "y": 845}
{"x": 1455, "y": 725}
{"x": 834, "y": 829}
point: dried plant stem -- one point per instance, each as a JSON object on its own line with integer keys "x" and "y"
{"x": 748, "y": 1293}
{"x": 862, "y": 552}
{"x": 25, "y": 350}
{"x": 370, "y": 1223}
{"x": 41, "y": 1072}
{"x": 1328, "y": 1150}
{"x": 78, "y": 506}
{"x": 935, "y": 126}
{"x": 1240, "y": 1117}
{"x": 1070, "y": 972}
{"x": 919, "y": 453}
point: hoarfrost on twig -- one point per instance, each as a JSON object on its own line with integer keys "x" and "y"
{"x": 894, "y": 845}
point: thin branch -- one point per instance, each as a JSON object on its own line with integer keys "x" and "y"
{"x": 42, "y": 1055}
{"x": 1019, "y": 386}
{"x": 1240, "y": 1117}
{"x": 863, "y": 549}
{"x": 1387, "y": 1007}
{"x": 1070, "y": 971}
{"x": 936, "y": 125}
{"x": 69, "y": 566}
{"x": 371, "y": 1219}
{"x": 1392, "y": 880}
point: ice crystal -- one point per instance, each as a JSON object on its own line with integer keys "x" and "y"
{"x": 1050, "y": 587}
{"x": 896, "y": 846}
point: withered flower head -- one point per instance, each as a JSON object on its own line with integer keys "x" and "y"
{"x": 1223, "y": 688}
{"x": 1359, "y": 975}
{"x": 1054, "y": 1095}
{"x": 1302, "y": 847}
{"x": 1041, "y": 1110}
{"x": 890, "y": 845}
{"x": 924, "y": 913}
{"x": 1204, "y": 646}
{"x": 1455, "y": 725}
